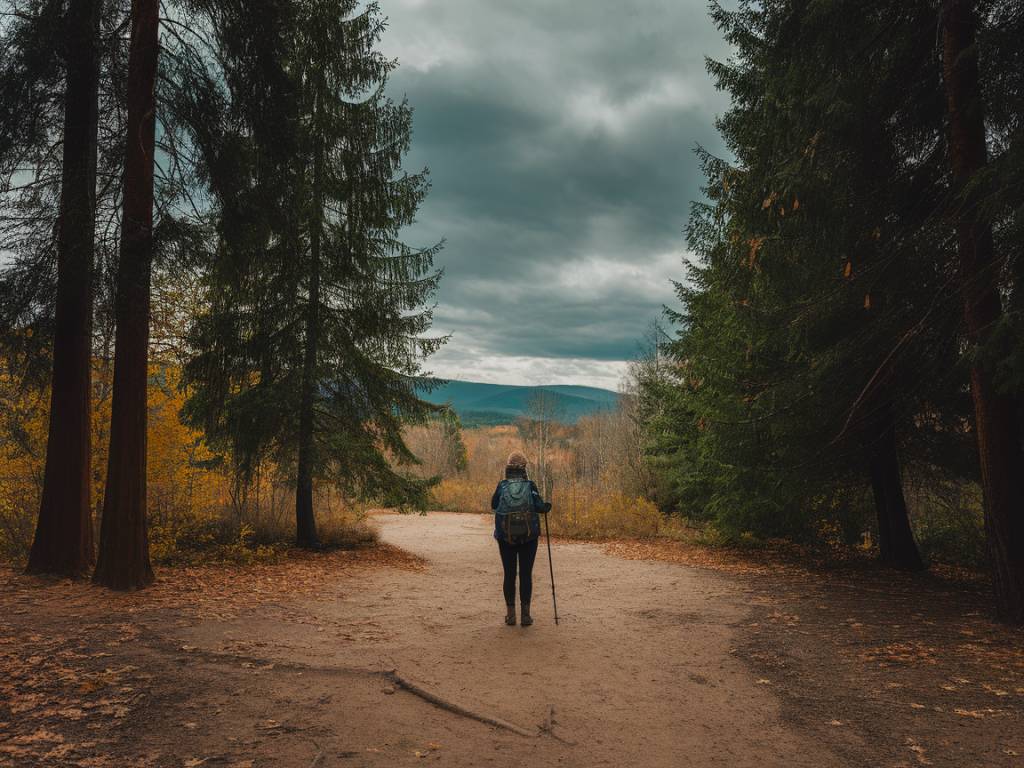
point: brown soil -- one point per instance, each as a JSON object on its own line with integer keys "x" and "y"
{"x": 664, "y": 657}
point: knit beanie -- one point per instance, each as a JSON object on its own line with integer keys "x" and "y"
{"x": 517, "y": 460}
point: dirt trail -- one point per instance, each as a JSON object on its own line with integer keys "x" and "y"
{"x": 656, "y": 663}
{"x": 639, "y": 672}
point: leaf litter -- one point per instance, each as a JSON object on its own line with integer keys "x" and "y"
{"x": 64, "y": 700}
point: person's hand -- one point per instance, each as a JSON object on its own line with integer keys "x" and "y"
{"x": 546, "y": 508}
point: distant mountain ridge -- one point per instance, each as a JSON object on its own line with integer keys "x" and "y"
{"x": 480, "y": 404}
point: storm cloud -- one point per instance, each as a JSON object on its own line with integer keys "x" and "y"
{"x": 560, "y": 137}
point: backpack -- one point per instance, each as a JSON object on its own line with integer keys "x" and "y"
{"x": 515, "y": 511}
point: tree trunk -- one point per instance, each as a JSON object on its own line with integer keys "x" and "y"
{"x": 896, "y": 545}
{"x": 995, "y": 417}
{"x": 124, "y": 545}
{"x": 305, "y": 519}
{"x": 63, "y": 542}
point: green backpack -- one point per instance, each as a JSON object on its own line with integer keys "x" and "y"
{"x": 515, "y": 511}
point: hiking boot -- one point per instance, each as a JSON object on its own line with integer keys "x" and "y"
{"x": 510, "y": 615}
{"x": 527, "y": 620}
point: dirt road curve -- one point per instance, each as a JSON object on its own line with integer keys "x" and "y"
{"x": 639, "y": 672}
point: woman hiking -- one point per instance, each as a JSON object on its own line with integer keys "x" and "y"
{"x": 517, "y": 506}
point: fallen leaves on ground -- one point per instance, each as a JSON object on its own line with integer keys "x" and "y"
{"x": 910, "y": 652}
{"x": 65, "y": 690}
{"x": 736, "y": 562}
{"x": 204, "y": 590}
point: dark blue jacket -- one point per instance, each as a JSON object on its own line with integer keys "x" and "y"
{"x": 539, "y": 505}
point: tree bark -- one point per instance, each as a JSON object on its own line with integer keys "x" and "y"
{"x": 995, "y": 417}
{"x": 896, "y": 545}
{"x": 63, "y": 542}
{"x": 124, "y": 545}
{"x": 305, "y": 518}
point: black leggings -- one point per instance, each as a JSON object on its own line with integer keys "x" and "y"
{"x": 525, "y": 553}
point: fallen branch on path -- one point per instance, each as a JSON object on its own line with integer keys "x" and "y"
{"x": 318, "y": 758}
{"x": 548, "y": 727}
{"x": 451, "y": 706}
{"x": 392, "y": 675}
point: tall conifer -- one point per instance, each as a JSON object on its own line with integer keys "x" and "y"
{"x": 314, "y": 336}
{"x": 123, "y": 561}
{"x": 817, "y": 322}
{"x": 63, "y": 540}
{"x": 996, "y": 415}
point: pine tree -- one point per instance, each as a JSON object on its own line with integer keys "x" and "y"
{"x": 809, "y": 338}
{"x": 60, "y": 60}
{"x": 314, "y": 337}
{"x": 123, "y": 561}
{"x": 996, "y": 416}
{"x": 865, "y": 236}
{"x": 32, "y": 143}
{"x": 63, "y": 541}
{"x": 46, "y": 99}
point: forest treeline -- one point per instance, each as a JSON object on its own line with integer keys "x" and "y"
{"x": 207, "y": 306}
{"x": 202, "y": 202}
{"x": 850, "y": 333}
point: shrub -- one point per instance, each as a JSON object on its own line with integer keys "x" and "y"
{"x": 604, "y": 516}
{"x": 343, "y": 527}
{"x": 193, "y": 539}
{"x": 458, "y": 494}
{"x": 950, "y": 526}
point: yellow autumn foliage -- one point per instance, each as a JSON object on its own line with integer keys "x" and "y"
{"x": 195, "y": 509}
{"x": 22, "y": 447}
{"x": 608, "y": 515}
{"x": 591, "y": 498}
{"x": 578, "y": 515}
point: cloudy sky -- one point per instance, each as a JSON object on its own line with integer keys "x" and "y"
{"x": 559, "y": 136}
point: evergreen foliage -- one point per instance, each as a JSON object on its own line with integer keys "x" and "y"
{"x": 278, "y": 182}
{"x": 819, "y": 353}
{"x": 315, "y": 329}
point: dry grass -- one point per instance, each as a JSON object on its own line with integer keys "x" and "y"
{"x": 601, "y": 514}
{"x": 338, "y": 527}
{"x": 458, "y": 494}
{"x": 607, "y": 516}
{"x": 262, "y": 535}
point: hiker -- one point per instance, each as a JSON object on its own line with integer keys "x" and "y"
{"x": 517, "y": 506}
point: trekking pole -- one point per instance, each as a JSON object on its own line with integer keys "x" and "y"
{"x": 551, "y": 567}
